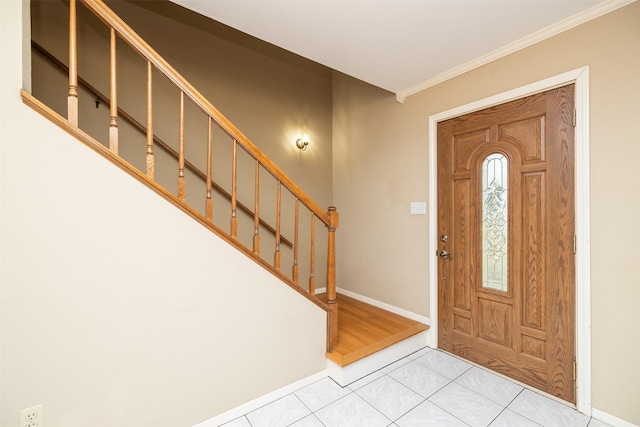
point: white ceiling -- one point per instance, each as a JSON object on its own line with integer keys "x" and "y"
{"x": 402, "y": 46}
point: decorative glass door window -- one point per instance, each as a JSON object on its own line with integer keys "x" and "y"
{"x": 495, "y": 225}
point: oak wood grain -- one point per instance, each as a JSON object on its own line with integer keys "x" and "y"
{"x": 150, "y": 158}
{"x": 113, "y": 94}
{"x": 526, "y": 332}
{"x": 125, "y": 32}
{"x": 364, "y": 329}
{"x": 157, "y": 141}
{"x": 72, "y": 99}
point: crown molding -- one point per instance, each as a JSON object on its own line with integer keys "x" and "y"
{"x": 538, "y": 36}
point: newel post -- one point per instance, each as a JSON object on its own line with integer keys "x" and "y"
{"x": 332, "y": 319}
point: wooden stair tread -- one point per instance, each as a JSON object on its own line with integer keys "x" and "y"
{"x": 364, "y": 329}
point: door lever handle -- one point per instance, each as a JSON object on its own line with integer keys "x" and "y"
{"x": 445, "y": 254}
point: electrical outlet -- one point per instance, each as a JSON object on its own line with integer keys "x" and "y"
{"x": 32, "y": 417}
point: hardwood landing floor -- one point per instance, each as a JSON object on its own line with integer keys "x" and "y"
{"x": 364, "y": 329}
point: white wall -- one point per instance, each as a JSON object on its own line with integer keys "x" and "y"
{"x": 98, "y": 319}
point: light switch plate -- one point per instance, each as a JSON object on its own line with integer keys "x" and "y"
{"x": 418, "y": 208}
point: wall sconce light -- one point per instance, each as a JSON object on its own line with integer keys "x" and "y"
{"x": 303, "y": 142}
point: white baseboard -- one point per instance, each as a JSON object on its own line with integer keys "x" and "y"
{"x": 261, "y": 401}
{"x": 402, "y": 312}
{"x": 610, "y": 419}
{"x": 341, "y": 375}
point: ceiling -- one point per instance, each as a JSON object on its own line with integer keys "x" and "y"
{"x": 402, "y": 46}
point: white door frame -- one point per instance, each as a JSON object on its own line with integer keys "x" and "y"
{"x": 583, "y": 239}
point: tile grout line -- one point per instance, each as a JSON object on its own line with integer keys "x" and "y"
{"x": 305, "y": 405}
{"x": 436, "y": 391}
{"x": 487, "y": 397}
{"x": 385, "y": 371}
{"x": 376, "y": 409}
{"x": 424, "y": 399}
{"x": 432, "y": 394}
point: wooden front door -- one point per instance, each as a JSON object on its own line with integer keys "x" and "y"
{"x": 506, "y": 249}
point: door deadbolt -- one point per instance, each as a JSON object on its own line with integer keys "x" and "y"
{"x": 444, "y": 238}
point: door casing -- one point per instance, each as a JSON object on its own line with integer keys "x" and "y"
{"x": 580, "y": 77}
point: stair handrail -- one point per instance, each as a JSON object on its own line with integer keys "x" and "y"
{"x": 156, "y": 139}
{"x": 112, "y": 20}
{"x": 330, "y": 218}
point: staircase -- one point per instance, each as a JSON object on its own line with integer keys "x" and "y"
{"x": 370, "y": 337}
{"x": 366, "y": 337}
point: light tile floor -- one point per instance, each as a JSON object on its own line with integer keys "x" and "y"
{"x": 426, "y": 388}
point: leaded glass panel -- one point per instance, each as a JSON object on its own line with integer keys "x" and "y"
{"x": 495, "y": 222}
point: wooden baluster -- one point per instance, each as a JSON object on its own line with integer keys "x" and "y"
{"x": 331, "y": 255}
{"x": 332, "y": 327}
{"x": 294, "y": 273}
{"x": 312, "y": 264}
{"x": 256, "y": 209}
{"x": 209, "y": 202}
{"x": 234, "y": 202}
{"x": 332, "y": 320}
{"x": 181, "y": 183}
{"x": 72, "y": 99}
{"x": 113, "y": 122}
{"x": 150, "y": 159}
{"x": 276, "y": 257}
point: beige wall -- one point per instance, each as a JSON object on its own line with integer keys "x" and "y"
{"x": 116, "y": 309}
{"x": 381, "y": 165}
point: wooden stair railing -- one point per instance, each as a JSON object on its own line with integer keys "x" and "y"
{"x": 119, "y": 29}
{"x": 157, "y": 141}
